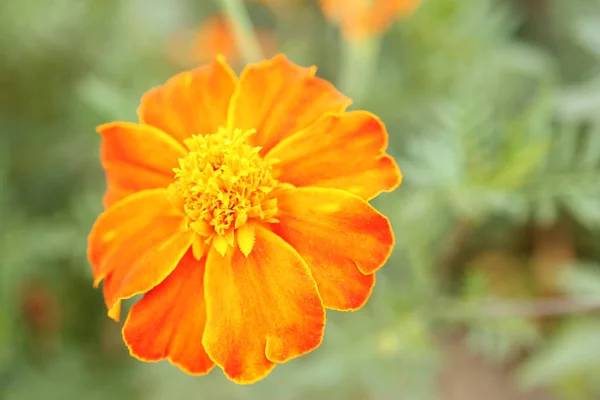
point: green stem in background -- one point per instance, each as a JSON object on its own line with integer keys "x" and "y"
{"x": 243, "y": 29}
{"x": 358, "y": 67}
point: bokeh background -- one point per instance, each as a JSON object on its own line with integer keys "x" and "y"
{"x": 492, "y": 107}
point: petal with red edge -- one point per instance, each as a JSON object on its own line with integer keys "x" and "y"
{"x": 192, "y": 102}
{"x": 135, "y": 244}
{"x": 136, "y": 157}
{"x": 343, "y": 151}
{"x": 168, "y": 322}
{"x": 278, "y": 98}
{"x": 261, "y": 309}
{"x": 340, "y": 236}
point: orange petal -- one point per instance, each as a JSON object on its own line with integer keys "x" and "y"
{"x": 114, "y": 194}
{"x": 340, "y": 236}
{"x": 168, "y": 322}
{"x": 261, "y": 310}
{"x": 343, "y": 151}
{"x": 121, "y": 223}
{"x": 278, "y": 98}
{"x": 136, "y": 157}
{"x": 192, "y": 102}
{"x": 135, "y": 244}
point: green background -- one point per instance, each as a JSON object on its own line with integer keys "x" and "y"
{"x": 492, "y": 109}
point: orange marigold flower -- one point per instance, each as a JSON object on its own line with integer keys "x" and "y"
{"x": 214, "y": 36}
{"x": 238, "y": 207}
{"x": 363, "y": 18}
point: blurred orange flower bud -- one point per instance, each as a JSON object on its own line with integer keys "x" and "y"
{"x": 215, "y": 36}
{"x": 358, "y": 19}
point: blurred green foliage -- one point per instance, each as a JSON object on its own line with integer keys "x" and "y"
{"x": 491, "y": 106}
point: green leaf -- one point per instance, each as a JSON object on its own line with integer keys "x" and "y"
{"x": 520, "y": 165}
{"x": 581, "y": 280}
{"x": 499, "y": 339}
{"x": 545, "y": 211}
{"x": 587, "y": 31}
{"x": 585, "y": 209}
{"x": 572, "y": 350}
{"x": 590, "y": 154}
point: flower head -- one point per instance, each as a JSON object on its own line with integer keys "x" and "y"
{"x": 363, "y": 18}
{"x": 213, "y": 37}
{"x": 238, "y": 208}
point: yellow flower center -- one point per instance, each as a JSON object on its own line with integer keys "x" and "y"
{"x": 222, "y": 183}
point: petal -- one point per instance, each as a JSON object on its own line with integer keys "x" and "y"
{"x": 341, "y": 238}
{"x": 278, "y": 98}
{"x": 192, "y": 102}
{"x": 121, "y": 223}
{"x": 135, "y": 244}
{"x": 168, "y": 322}
{"x": 343, "y": 151}
{"x": 136, "y": 157}
{"x": 114, "y": 194}
{"x": 261, "y": 309}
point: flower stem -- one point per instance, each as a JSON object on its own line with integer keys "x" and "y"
{"x": 243, "y": 29}
{"x": 359, "y": 64}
